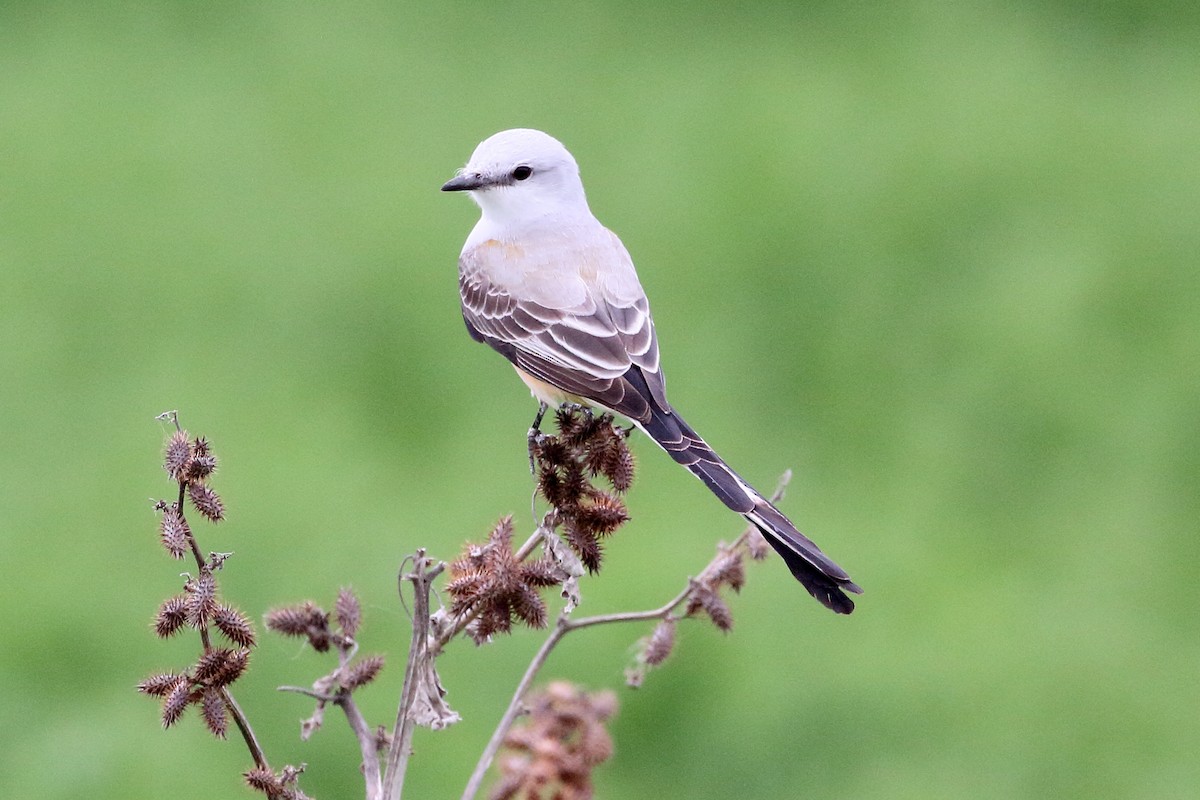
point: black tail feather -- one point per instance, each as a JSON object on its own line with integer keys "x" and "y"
{"x": 823, "y": 579}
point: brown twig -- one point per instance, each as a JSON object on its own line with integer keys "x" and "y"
{"x": 235, "y": 710}
{"x": 566, "y": 625}
{"x": 421, "y": 577}
{"x": 367, "y": 742}
{"x": 239, "y": 717}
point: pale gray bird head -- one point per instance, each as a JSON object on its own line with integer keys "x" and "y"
{"x": 520, "y": 176}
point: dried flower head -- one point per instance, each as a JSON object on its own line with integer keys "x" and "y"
{"x": 586, "y": 446}
{"x": 562, "y": 741}
{"x": 489, "y": 581}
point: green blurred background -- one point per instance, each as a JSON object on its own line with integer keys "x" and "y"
{"x": 940, "y": 259}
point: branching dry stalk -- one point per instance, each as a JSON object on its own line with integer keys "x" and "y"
{"x": 566, "y": 625}
{"x": 491, "y": 586}
{"x": 190, "y": 463}
{"x": 332, "y": 691}
{"x": 423, "y": 572}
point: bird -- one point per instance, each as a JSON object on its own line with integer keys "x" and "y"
{"x": 547, "y": 286}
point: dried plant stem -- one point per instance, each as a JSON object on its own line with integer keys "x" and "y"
{"x": 243, "y": 725}
{"x": 235, "y": 711}
{"x": 366, "y": 743}
{"x": 344, "y": 700}
{"x": 514, "y": 708}
{"x": 331, "y": 690}
{"x": 566, "y": 625}
{"x": 421, "y": 576}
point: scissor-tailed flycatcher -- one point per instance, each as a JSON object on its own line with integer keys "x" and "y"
{"x": 555, "y": 292}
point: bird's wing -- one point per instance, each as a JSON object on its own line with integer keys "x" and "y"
{"x": 575, "y": 317}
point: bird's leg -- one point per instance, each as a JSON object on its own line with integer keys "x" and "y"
{"x": 535, "y": 432}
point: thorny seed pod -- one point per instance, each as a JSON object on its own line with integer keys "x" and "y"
{"x": 212, "y": 708}
{"x": 200, "y": 598}
{"x": 201, "y": 467}
{"x": 603, "y": 515}
{"x": 235, "y": 625}
{"x": 158, "y": 685}
{"x": 585, "y": 544}
{"x": 295, "y": 620}
{"x": 171, "y": 617}
{"x": 206, "y": 501}
{"x": 702, "y": 598}
{"x": 178, "y": 456}
{"x": 176, "y": 701}
{"x": 729, "y": 569}
{"x": 348, "y": 611}
{"x": 221, "y": 666}
{"x": 661, "y": 642}
{"x": 491, "y": 581}
{"x": 263, "y": 780}
{"x": 306, "y": 619}
{"x": 174, "y": 532}
{"x": 362, "y": 673}
{"x": 619, "y": 466}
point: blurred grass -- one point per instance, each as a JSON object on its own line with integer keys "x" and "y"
{"x": 940, "y": 260}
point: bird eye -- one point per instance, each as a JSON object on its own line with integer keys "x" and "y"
{"x": 522, "y": 172}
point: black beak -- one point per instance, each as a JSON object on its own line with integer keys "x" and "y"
{"x": 464, "y": 183}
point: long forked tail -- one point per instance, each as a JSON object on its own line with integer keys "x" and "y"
{"x": 823, "y": 579}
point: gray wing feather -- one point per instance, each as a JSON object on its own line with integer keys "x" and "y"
{"x": 585, "y": 344}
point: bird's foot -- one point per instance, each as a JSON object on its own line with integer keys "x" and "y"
{"x": 534, "y": 437}
{"x": 576, "y": 408}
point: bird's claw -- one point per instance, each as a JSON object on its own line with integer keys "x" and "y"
{"x": 534, "y": 438}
